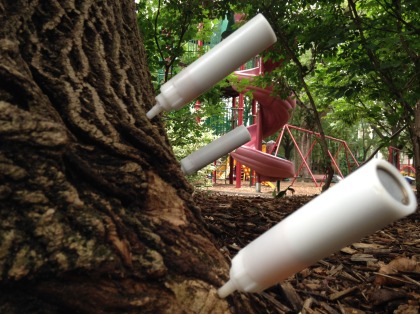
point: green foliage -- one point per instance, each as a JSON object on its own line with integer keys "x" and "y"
{"x": 361, "y": 68}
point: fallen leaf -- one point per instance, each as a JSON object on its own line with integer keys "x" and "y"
{"x": 400, "y": 264}
{"x": 407, "y": 309}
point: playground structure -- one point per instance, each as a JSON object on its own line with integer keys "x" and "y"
{"x": 272, "y": 115}
{"x": 302, "y": 161}
{"x": 223, "y": 170}
{"x": 270, "y": 112}
{"x": 351, "y": 161}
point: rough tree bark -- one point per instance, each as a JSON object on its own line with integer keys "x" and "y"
{"x": 96, "y": 216}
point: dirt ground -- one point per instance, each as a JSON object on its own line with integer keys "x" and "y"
{"x": 299, "y": 188}
{"x": 378, "y": 274}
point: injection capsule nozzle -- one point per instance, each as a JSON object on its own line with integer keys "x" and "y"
{"x": 156, "y": 109}
{"x": 227, "y": 289}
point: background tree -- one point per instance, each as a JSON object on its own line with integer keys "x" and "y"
{"x": 389, "y": 36}
{"x": 95, "y": 214}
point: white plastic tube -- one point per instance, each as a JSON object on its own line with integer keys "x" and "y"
{"x": 216, "y": 149}
{"x": 246, "y": 42}
{"x": 364, "y": 202}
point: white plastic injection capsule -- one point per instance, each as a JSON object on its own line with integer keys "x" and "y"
{"x": 245, "y": 43}
{"x": 216, "y": 149}
{"x": 364, "y": 202}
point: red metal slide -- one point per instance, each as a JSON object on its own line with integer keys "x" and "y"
{"x": 275, "y": 114}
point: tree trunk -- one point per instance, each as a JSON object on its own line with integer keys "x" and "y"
{"x": 96, "y": 216}
{"x": 288, "y": 146}
{"x": 415, "y": 138}
{"x": 305, "y": 146}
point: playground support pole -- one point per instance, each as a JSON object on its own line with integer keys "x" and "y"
{"x": 306, "y": 162}
{"x": 348, "y": 151}
{"x": 240, "y": 122}
{"x": 335, "y": 164}
{"x": 214, "y": 177}
{"x": 302, "y": 157}
{"x": 231, "y": 162}
{"x": 197, "y": 108}
{"x": 279, "y": 140}
{"x": 254, "y": 120}
{"x": 343, "y": 143}
{"x": 260, "y": 113}
{"x": 327, "y": 137}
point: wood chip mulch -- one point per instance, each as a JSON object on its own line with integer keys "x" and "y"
{"x": 378, "y": 274}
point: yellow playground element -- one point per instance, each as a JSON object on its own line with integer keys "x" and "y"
{"x": 246, "y": 173}
{"x": 268, "y": 183}
{"x": 222, "y": 169}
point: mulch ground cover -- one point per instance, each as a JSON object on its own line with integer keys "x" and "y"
{"x": 378, "y": 274}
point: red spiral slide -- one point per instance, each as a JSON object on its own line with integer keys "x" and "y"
{"x": 275, "y": 114}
